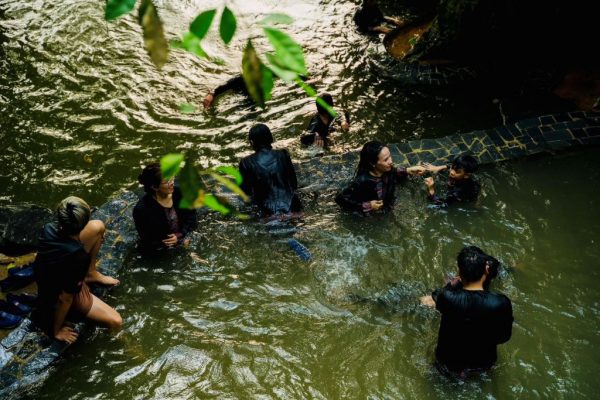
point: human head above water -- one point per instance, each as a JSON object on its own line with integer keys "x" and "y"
{"x": 73, "y": 215}
{"x": 327, "y": 98}
{"x": 472, "y": 263}
{"x": 260, "y": 137}
{"x": 374, "y": 156}
{"x": 463, "y": 166}
{"x": 150, "y": 177}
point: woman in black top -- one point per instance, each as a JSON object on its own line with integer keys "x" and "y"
{"x": 373, "y": 185}
{"x": 65, "y": 263}
{"x": 159, "y": 220}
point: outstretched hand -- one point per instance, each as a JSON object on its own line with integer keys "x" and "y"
{"x": 208, "y": 100}
{"x": 427, "y": 301}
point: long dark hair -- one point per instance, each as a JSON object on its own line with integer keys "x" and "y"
{"x": 369, "y": 155}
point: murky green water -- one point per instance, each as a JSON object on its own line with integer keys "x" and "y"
{"x": 252, "y": 321}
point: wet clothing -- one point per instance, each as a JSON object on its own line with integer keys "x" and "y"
{"x": 236, "y": 83}
{"x": 269, "y": 178}
{"x": 316, "y": 126}
{"x": 61, "y": 265}
{"x": 463, "y": 191}
{"x": 365, "y": 187}
{"x": 473, "y": 323}
{"x": 368, "y": 18}
{"x": 155, "y": 222}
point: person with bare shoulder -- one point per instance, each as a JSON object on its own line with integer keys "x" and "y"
{"x": 64, "y": 265}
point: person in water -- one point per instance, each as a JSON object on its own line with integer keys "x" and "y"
{"x": 64, "y": 265}
{"x": 160, "y": 222}
{"x": 462, "y": 185}
{"x": 370, "y": 19}
{"x": 474, "y": 320}
{"x": 373, "y": 185}
{"x": 269, "y": 177}
{"x": 321, "y": 123}
{"x": 236, "y": 84}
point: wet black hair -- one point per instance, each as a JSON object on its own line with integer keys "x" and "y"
{"x": 465, "y": 162}
{"x": 327, "y": 98}
{"x": 150, "y": 177}
{"x": 369, "y": 155}
{"x": 471, "y": 263}
{"x": 261, "y": 137}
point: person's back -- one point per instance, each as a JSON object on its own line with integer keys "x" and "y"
{"x": 61, "y": 264}
{"x": 269, "y": 176}
{"x": 473, "y": 323}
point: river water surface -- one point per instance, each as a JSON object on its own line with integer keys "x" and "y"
{"x": 239, "y": 315}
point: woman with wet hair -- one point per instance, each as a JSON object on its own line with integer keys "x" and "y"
{"x": 65, "y": 263}
{"x": 159, "y": 220}
{"x": 373, "y": 185}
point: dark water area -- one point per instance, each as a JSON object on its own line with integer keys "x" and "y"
{"x": 238, "y": 315}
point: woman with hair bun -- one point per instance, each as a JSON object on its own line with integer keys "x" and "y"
{"x": 65, "y": 263}
{"x": 159, "y": 220}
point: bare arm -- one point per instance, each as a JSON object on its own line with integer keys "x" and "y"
{"x": 63, "y": 333}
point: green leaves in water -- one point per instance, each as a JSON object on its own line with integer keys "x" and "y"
{"x": 201, "y": 24}
{"x": 170, "y": 165}
{"x": 257, "y": 77}
{"x": 228, "y": 25}
{"x": 116, "y": 8}
{"x": 154, "y": 36}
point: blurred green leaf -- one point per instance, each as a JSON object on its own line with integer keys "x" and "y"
{"x": 285, "y": 74}
{"x": 154, "y": 37}
{"x": 115, "y": 8}
{"x": 190, "y": 43}
{"x": 202, "y": 22}
{"x": 276, "y": 18}
{"x": 288, "y": 53}
{"x": 190, "y": 184}
{"x": 229, "y": 185}
{"x": 231, "y": 171}
{"x": 256, "y": 76}
{"x": 187, "y": 108}
{"x": 213, "y": 203}
{"x": 228, "y": 25}
{"x": 312, "y": 93}
{"x": 170, "y": 165}
{"x": 412, "y": 41}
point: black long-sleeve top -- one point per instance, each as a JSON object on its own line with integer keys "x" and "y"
{"x": 462, "y": 191}
{"x": 364, "y": 188}
{"x": 473, "y": 323}
{"x": 153, "y": 225}
{"x": 269, "y": 178}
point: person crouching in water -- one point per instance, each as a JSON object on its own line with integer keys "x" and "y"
{"x": 65, "y": 263}
{"x": 373, "y": 185}
{"x": 321, "y": 125}
{"x": 462, "y": 185}
{"x": 269, "y": 177}
{"x": 160, "y": 222}
{"x": 474, "y": 320}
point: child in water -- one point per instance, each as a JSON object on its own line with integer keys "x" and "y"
{"x": 462, "y": 186}
{"x": 321, "y": 124}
